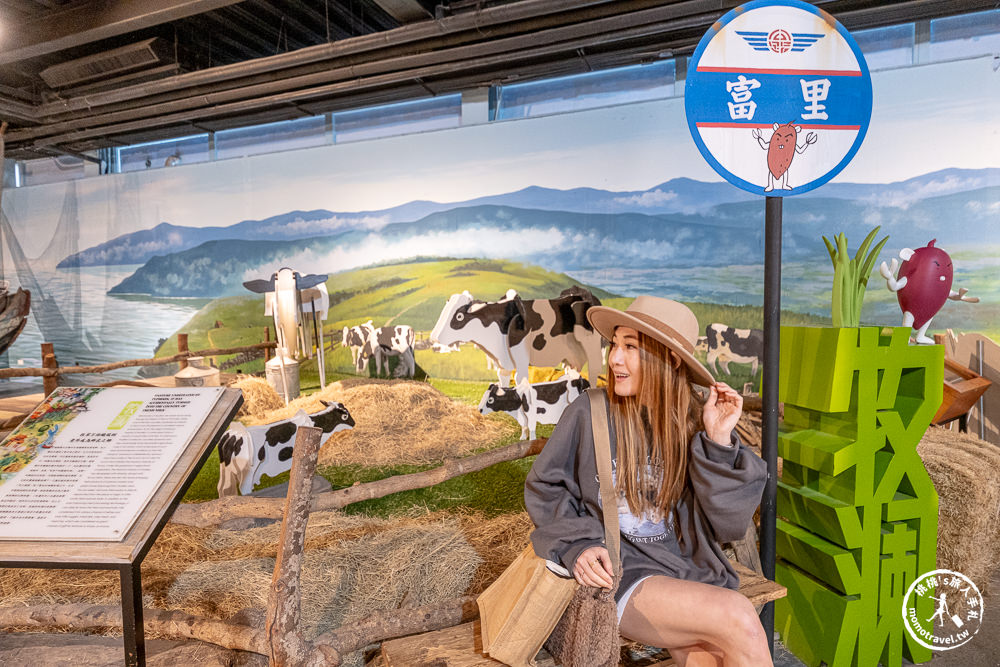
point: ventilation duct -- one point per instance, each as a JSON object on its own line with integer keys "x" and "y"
{"x": 138, "y": 56}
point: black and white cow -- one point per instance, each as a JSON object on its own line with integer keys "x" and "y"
{"x": 726, "y": 344}
{"x": 248, "y": 452}
{"x": 391, "y": 341}
{"x": 355, "y": 338}
{"x": 533, "y": 404}
{"x": 517, "y": 333}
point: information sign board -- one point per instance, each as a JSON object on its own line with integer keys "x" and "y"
{"x": 778, "y": 97}
{"x": 85, "y": 462}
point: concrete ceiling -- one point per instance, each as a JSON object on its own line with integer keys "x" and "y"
{"x": 77, "y": 76}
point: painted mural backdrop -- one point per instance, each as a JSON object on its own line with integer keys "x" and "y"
{"x": 616, "y": 199}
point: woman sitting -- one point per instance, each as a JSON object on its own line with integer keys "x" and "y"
{"x": 682, "y": 490}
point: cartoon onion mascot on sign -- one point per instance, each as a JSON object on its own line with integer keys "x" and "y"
{"x": 922, "y": 286}
{"x": 780, "y": 150}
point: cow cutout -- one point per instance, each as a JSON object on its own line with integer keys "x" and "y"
{"x": 355, "y": 338}
{"x": 726, "y": 344}
{"x": 246, "y": 453}
{"x": 533, "y": 404}
{"x": 390, "y": 341}
{"x": 516, "y": 333}
{"x": 288, "y": 297}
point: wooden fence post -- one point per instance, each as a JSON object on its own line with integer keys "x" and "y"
{"x": 49, "y": 382}
{"x": 287, "y": 647}
{"x": 267, "y": 339}
{"x": 182, "y": 346}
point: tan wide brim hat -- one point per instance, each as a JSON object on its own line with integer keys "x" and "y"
{"x": 670, "y": 322}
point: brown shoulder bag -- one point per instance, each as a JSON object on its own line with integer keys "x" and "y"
{"x": 524, "y": 605}
{"x": 587, "y": 634}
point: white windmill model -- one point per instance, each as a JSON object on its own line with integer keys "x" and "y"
{"x": 294, "y": 301}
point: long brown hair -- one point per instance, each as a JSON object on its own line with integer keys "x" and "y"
{"x": 653, "y": 430}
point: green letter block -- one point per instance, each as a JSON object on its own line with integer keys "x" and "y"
{"x": 858, "y": 512}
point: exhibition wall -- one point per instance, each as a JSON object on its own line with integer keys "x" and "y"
{"x": 615, "y": 198}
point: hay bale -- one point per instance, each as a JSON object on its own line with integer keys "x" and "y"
{"x": 396, "y": 422}
{"x": 966, "y": 474}
{"x": 259, "y": 397}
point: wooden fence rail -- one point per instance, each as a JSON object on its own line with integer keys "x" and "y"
{"x": 51, "y": 369}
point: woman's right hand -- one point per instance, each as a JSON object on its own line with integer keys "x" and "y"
{"x": 593, "y": 568}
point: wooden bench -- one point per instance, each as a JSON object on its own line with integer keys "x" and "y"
{"x": 461, "y": 645}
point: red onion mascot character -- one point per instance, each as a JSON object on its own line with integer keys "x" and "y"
{"x": 922, "y": 286}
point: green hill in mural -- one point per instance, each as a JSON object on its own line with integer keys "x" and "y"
{"x": 414, "y": 293}
{"x": 410, "y": 293}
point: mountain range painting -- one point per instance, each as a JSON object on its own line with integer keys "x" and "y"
{"x": 616, "y": 199}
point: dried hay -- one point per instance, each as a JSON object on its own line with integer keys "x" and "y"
{"x": 966, "y": 474}
{"x": 396, "y": 422}
{"x": 498, "y": 541}
{"x": 173, "y": 551}
{"x": 259, "y": 397}
{"x": 353, "y": 565}
{"x": 400, "y": 566}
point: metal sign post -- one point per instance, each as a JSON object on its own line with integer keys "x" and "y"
{"x": 778, "y": 99}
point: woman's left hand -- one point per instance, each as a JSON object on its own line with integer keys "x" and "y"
{"x": 721, "y": 412}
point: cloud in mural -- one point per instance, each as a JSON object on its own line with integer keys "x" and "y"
{"x": 904, "y": 196}
{"x": 301, "y": 227}
{"x": 647, "y": 199}
{"x": 489, "y": 243}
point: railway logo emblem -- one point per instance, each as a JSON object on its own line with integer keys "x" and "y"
{"x": 779, "y": 40}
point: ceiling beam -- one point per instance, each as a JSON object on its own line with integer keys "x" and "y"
{"x": 404, "y": 11}
{"x": 93, "y": 21}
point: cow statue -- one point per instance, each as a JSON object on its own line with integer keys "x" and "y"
{"x": 390, "y": 341}
{"x": 726, "y": 344}
{"x": 288, "y": 297}
{"x": 533, "y": 404}
{"x": 248, "y": 452}
{"x": 517, "y": 333}
{"x": 356, "y": 338}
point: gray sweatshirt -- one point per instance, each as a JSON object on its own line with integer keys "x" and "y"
{"x": 562, "y": 496}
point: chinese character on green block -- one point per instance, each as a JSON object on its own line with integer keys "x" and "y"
{"x": 857, "y": 510}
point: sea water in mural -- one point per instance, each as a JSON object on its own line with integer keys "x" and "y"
{"x": 616, "y": 200}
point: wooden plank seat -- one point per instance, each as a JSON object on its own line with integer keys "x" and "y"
{"x": 461, "y": 646}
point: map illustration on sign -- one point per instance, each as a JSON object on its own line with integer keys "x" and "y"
{"x": 39, "y": 430}
{"x": 778, "y": 97}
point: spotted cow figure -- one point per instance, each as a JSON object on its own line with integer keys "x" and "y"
{"x": 518, "y": 332}
{"x": 355, "y": 338}
{"x": 533, "y": 404}
{"x": 726, "y": 344}
{"x": 390, "y": 341}
{"x": 248, "y": 452}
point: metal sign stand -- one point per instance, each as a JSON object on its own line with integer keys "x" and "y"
{"x": 769, "y": 396}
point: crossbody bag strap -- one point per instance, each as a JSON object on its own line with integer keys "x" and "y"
{"x": 602, "y": 451}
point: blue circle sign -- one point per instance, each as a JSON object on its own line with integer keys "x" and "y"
{"x": 778, "y": 97}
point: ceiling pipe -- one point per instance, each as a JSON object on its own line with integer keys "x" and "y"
{"x": 346, "y": 87}
{"x": 578, "y": 35}
{"x": 478, "y": 21}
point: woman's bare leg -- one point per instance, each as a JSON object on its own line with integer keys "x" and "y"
{"x": 697, "y": 656}
{"x": 668, "y": 612}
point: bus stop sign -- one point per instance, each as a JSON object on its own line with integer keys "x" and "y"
{"x": 778, "y": 97}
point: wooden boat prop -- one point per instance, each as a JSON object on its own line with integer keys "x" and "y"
{"x": 13, "y": 315}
